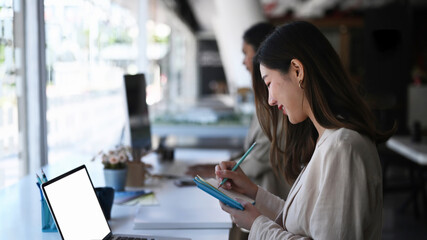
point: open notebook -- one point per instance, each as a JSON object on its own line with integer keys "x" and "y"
{"x": 210, "y": 186}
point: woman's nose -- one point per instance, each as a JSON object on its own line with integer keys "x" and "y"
{"x": 271, "y": 100}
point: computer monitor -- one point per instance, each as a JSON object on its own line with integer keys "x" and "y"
{"x": 139, "y": 122}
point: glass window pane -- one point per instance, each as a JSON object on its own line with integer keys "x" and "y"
{"x": 91, "y": 44}
{"x": 11, "y": 166}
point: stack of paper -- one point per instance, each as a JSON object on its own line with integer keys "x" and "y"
{"x": 183, "y": 217}
{"x": 182, "y": 208}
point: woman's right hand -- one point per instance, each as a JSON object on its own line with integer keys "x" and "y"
{"x": 237, "y": 180}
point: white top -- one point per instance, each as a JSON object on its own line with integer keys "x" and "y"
{"x": 338, "y": 195}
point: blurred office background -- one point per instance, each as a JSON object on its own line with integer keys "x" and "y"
{"x": 62, "y": 64}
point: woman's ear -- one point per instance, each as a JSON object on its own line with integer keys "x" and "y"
{"x": 298, "y": 69}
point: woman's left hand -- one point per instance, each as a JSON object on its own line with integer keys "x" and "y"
{"x": 243, "y": 219}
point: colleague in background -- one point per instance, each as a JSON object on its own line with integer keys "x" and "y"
{"x": 256, "y": 165}
{"x": 330, "y": 154}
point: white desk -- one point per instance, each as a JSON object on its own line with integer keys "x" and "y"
{"x": 416, "y": 152}
{"x": 20, "y": 210}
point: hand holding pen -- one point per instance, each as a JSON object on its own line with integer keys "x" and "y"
{"x": 238, "y": 163}
{"x": 240, "y": 182}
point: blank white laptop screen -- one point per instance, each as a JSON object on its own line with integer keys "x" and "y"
{"x": 76, "y": 207}
{"x": 77, "y": 212}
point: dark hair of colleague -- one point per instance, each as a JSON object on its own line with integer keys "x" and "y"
{"x": 257, "y": 33}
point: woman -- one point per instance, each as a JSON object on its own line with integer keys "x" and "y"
{"x": 330, "y": 154}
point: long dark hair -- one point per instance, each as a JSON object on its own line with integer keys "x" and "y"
{"x": 333, "y": 97}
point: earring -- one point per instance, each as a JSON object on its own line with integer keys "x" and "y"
{"x": 299, "y": 84}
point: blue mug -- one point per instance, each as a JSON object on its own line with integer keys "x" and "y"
{"x": 106, "y": 198}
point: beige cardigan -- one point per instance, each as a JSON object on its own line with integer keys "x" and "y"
{"x": 338, "y": 195}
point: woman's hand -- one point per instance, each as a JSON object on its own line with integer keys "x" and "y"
{"x": 243, "y": 219}
{"x": 237, "y": 180}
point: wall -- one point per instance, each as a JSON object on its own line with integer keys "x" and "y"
{"x": 232, "y": 18}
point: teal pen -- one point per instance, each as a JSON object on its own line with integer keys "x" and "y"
{"x": 44, "y": 176}
{"x": 38, "y": 179}
{"x": 238, "y": 163}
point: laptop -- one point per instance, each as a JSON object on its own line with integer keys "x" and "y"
{"x": 76, "y": 210}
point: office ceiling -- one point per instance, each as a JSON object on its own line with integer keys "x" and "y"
{"x": 198, "y": 14}
{"x": 204, "y": 10}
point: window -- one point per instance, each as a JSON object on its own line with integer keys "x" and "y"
{"x": 10, "y": 164}
{"x": 90, "y": 46}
